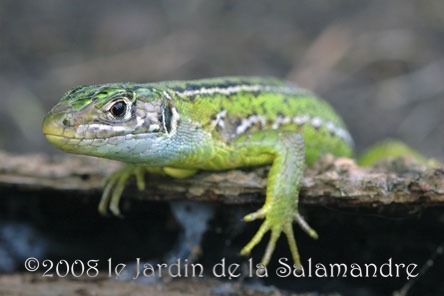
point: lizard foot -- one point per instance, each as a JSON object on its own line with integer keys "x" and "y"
{"x": 277, "y": 224}
{"x": 114, "y": 186}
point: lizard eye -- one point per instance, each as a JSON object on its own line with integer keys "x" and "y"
{"x": 118, "y": 109}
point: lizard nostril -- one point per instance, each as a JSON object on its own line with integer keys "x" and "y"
{"x": 65, "y": 122}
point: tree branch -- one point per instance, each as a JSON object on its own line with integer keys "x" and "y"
{"x": 330, "y": 182}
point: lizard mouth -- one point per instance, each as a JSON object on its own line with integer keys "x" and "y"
{"x": 51, "y": 125}
{"x": 54, "y": 138}
{"x": 52, "y": 130}
{"x": 55, "y": 131}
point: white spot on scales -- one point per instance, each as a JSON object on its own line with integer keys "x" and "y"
{"x": 246, "y": 123}
{"x": 315, "y": 121}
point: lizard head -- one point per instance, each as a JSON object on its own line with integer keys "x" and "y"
{"x": 109, "y": 120}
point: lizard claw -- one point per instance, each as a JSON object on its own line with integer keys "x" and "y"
{"x": 259, "y": 214}
{"x": 304, "y": 225}
{"x": 114, "y": 186}
{"x": 277, "y": 227}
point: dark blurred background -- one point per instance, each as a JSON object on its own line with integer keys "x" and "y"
{"x": 380, "y": 63}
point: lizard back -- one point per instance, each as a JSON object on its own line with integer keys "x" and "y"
{"x": 234, "y": 106}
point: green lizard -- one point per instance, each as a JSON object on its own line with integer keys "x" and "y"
{"x": 180, "y": 127}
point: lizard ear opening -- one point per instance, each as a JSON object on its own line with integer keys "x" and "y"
{"x": 170, "y": 117}
{"x": 167, "y": 116}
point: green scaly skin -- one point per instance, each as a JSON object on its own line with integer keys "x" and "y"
{"x": 179, "y": 127}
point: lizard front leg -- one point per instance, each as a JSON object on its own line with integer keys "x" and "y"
{"x": 287, "y": 152}
{"x": 115, "y": 183}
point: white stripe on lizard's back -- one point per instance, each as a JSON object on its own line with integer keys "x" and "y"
{"x": 229, "y": 90}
